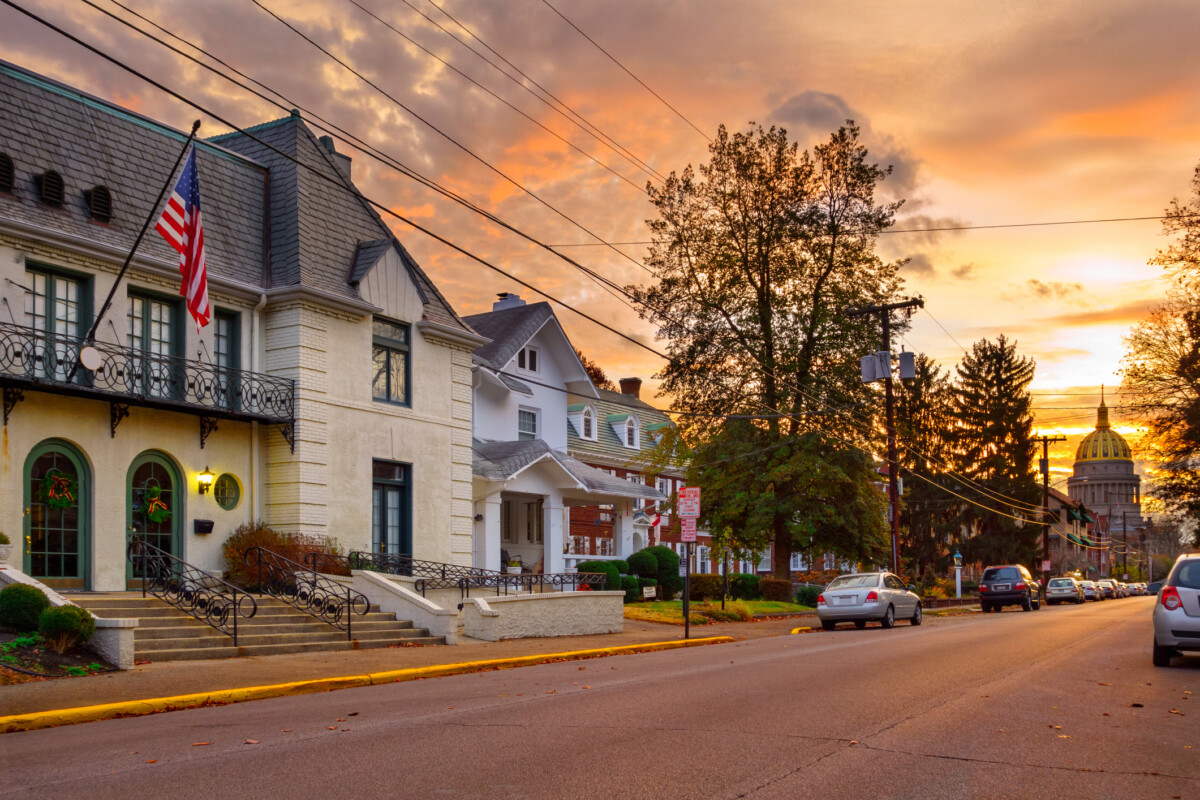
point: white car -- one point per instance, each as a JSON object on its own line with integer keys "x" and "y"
{"x": 1177, "y": 611}
{"x": 867, "y": 597}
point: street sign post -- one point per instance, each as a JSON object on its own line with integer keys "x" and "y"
{"x": 689, "y": 510}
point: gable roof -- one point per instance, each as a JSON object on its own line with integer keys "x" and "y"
{"x": 89, "y": 141}
{"x": 501, "y": 461}
{"x": 509, "y": 329}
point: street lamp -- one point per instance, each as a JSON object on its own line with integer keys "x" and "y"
{"x": 957, "y": 575}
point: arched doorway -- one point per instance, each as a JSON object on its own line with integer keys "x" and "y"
{"x": 58, "y": 494}
{"x": 155, "y": 508}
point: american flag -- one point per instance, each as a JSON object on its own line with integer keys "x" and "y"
{"x": 180, "y": 226}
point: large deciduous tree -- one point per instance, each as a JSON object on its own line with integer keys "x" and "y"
{"x": 1161, "y": 372}
{"x": 758, "y": 253}
{"x": 994, "y": 448}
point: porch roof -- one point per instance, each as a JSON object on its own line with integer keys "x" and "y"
{"x": 501, "y": 461}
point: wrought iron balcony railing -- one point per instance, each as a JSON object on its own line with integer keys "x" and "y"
{"x": 34, "y": 359}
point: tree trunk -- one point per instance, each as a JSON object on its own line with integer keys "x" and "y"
{"x": 781, "y": 551}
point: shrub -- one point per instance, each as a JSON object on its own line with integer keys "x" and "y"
{"x": 298, "y": 546}
{"x": 705, "y": 587}
{"x": 807, "y": 595}
{"x": 668, "y": 570}
{"x": 733, "y": 612}
{"x": 21, "y": 605}
{"x": 622, "y": 566}
{"x": 245, "y": 536}
{"x": 643, "y": 564}
{"x": 4, "y": 538}
{"x": 612, "y": 576}
{"x": 633, "y": 590}
{"x": 66, "y": 626}
{"x": 744, "y": 586}
{"x": 776, "y": 589}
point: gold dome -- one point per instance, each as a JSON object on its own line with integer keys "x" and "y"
{"x": 1103, "y": 444}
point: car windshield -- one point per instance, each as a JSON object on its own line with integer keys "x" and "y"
{"x": 1187, "y": 574}
{"x": 854, "y": 582}
{"x": 1001, "y": 574}
{"x": 1062, "y": 582}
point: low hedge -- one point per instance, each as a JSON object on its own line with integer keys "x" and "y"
{"x": 66, "y": 626}
{"x": 668, "y": 570}
{"x": 643, "y": 564}
{"x": 21, "y": 605}
{"x": 776, "y": 589}
{"x": 705, "y": 587}
{"x": 612, "y": 576}
{"x": 807, "y": 595}
{"x": 622, "y": 566}
{"x": 744, "y": 586}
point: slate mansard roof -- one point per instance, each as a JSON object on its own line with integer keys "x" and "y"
{"x": 318, "y": 234}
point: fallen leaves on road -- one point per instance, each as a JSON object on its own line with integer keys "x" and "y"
{"x": 352, "y": 714}
{"x": 152, "y": 761}
{"x": 331, "y": 727}
{"x": 853, "y": 742}
{"x": 1136, "y": 705}
{"x": 287, "y": 730}
{"x": 587, "y": 687}
{"x": 1177, "y": 711}
{"x": 252, "y": 741}
{"x": 1106, "y": 684}
{"x": 1064, "y": 736}
{"x": 201, "y": 744}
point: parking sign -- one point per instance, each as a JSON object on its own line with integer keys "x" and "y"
{"x": 687, "y": 529}
{"x": 689, "y": 501}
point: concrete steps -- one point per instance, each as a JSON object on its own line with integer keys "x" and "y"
{"x": 165, "y": 633}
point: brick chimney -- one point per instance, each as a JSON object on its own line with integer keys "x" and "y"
{"x": 631, "y": 386}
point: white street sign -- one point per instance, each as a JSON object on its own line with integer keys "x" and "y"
{"x": 689, "y": 501}
{"x": 687, "y": 529}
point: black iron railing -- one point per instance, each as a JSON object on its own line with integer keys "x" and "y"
{"x": 49, "y": 361}
{"x": 438, "y": 575}
{"x": 190, "y": 589}
{"x": 307, "y": 589}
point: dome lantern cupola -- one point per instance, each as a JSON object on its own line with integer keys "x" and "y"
{"x": 1103, "y": 444}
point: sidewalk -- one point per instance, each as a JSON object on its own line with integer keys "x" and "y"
{"x": 172, "y": 678}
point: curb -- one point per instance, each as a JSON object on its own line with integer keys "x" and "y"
{"x": 220, "y": 697}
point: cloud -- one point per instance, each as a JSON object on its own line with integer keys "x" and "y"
{"x": 1044, "y": 290}
{"x": 920, "y": 264}
{"x": 965, "y": 272}
{"x": 1125, "y": 314}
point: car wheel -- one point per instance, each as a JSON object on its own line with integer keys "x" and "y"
{"x": 828, "y": 624}
{"x": 889, "y": 617}
{"x": 1026, "y": 604}
{"x": 985, "y": 608}
{"x": 1037, "y": 604}
{"x": 916, "y": 617}
{"x": 1162, "y": 655}
{"x": 860, "y": 623}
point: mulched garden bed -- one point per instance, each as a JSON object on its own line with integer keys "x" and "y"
{"x": 24, "y": 653}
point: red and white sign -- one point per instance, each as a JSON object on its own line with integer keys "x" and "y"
{"x": 1046, "y": 565}
{"x": 689, "y": 501}
{"x": 687, "y": 529}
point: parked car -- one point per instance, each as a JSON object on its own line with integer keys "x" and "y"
{"x": 1154, "y": 588}
{"x": 1063, "y": 590}
{"x": 867, "y": 597}
{"x": 1091, "y": 591}
{"x": 1009, "y": 585}
{"x": 1142, "y": 590}
{"x": 1124, "y": 587}
{"x": 1177, "y": 611}
{"x": 1109, "y": 587}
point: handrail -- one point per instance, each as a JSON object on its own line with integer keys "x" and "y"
{"x": 439, "y": 575}
{"x": 307, "y": 590}
{"x": 189, "y": 588}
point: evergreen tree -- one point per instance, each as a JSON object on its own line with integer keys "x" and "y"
{"x": 994, "y": 447}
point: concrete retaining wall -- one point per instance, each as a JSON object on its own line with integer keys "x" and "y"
{"x": 394, "y": 595}
{"x": 554, "y": 614}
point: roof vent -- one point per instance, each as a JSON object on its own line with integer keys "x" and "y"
{"x": 51, "y": 190}
{"x": 99, "y": 203}
{"x": 7, "y": 173}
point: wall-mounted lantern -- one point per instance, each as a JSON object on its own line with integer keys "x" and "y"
{"x": 204, "y": 481}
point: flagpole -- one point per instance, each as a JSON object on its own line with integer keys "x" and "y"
{"x": 154, "y": 210}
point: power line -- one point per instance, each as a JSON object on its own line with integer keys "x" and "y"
{"x": 612, "y": 58}
{"x": 583, "y": 123}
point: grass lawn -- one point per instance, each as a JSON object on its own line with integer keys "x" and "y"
{"x": 703, "y": 613}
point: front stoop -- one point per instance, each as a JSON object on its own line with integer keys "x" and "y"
{"x": 165, "y": 633}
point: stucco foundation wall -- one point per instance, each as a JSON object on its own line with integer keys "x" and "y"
{"x": 393, "y": 597}
{"x": 540, "y": 615}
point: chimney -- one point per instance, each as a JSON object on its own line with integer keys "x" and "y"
{"x": 342, "y": 161}
{"x": 631, "y": 386}
{"x": 507, "y": 300}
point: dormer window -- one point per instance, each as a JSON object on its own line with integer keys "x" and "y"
{"x": 631, "y": 432}
{"x": 527, "y": 359}
{"x": 51, "y": 189}
{"x": 589, "y": 424}
{"x": 99, "y": 203}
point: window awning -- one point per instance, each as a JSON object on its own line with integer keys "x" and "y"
{"x": 1074, "y": 539}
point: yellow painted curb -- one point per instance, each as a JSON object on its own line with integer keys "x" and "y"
{"x": 134, "y": 708}
{"x": 802, "y": 630}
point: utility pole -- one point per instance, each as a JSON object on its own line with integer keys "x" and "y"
{"x": 1124, "y": 550}
{"x": 1044, "y": 468}
{"x": 885, "y": 319}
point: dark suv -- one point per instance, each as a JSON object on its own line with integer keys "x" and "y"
{"x": 1009, "y": 585}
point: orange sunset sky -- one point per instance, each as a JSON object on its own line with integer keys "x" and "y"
{"x": 990, "y": 113}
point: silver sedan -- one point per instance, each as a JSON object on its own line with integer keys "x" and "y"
{"x": 1177, "y": 611}
{"x": 865, "y": 597}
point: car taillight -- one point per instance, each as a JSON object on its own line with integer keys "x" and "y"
{"x": 820, "y": 599}
{"x": 1020, "y": 587}
{"x": 872, "y": 597}
{"x": 1170, "y": 598}
{"x": 982, "y": 588}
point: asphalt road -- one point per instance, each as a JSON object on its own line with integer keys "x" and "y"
{"x": 1060, "y": 703}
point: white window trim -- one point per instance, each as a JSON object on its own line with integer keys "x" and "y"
{"x": 588, "y": 413}
{"x": 537, "y": 420}
{"x": 523, "y": 355}
{"x": 635, "y": 424}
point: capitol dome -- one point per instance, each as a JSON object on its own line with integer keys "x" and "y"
{"x": 1103, "y": 444}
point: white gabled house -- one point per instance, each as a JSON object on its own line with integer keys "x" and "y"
{"x": 525, "y": 483}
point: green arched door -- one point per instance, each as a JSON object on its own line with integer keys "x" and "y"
{"x": 57, "y": 546}
{"x": 155, "y": 509}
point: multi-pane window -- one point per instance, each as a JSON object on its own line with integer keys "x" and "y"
{"x": 589, "y": 424}
{"x": 527, "y": 359}
{"x": 631, "y": 433}
{"x": 390, "y": 362}
{"x": 153, "y": 333}
{"x": 391, "y": 512}
{"x": 227, "y": 352}
{"x": 527, "y": 424}
{"x": 53, "y": 307}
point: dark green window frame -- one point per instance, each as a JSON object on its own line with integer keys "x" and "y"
{"x": 153, "y": 375}
{"x": 227, "y": 353}
{"x": 391, "y": 356}
{"x": 391, "y": 507}
{"x": 83, "y": 315}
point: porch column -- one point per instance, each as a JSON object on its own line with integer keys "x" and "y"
{"x": 487, "y": 533}
{"x": 552, "y": 521}
{"x": 622, "y": 530}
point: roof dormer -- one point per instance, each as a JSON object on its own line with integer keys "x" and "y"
{"x": 583, "y": 419}
{"x": 628, "y": 429}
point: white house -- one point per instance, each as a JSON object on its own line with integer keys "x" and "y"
{"x": 331, "y": 393}
{"x": 524, "y": 480}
